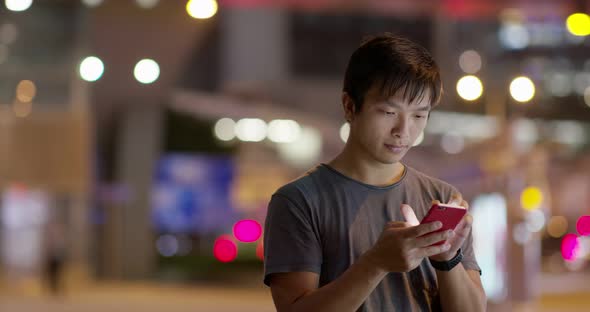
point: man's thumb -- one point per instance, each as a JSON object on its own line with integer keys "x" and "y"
{"x": 409, "y": 214}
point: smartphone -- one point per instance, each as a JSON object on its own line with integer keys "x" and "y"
{"x": 448, "y": 215}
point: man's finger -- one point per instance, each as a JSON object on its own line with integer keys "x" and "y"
{"x": 423, "y": 229}
{"x": 397, "y": 224}
{"x": 456, "y": 199}
{"x": 434, "y": 250}
{"x": 465, "y": 204}
{"x": 432, "y": 238}
{"x": 409, "y": 215}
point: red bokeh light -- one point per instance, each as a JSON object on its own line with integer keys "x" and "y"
{"x": 224, "y": 249}
{"x": 583, "y": 225}
{"x": 570, "y": 245}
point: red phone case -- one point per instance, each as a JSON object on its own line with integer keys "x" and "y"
{"x": 449, "y": 215}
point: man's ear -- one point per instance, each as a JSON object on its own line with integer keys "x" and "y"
{"x": 348, "y": 106}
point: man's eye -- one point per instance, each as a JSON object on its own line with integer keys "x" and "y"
{"x": 420, "y": 116}
{"x": 389, "y": 113}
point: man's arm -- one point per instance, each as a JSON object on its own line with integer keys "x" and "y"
{"x": 298, "y": 291}
{"x": 461, "y": 290}
{"x": 400, "y": 248}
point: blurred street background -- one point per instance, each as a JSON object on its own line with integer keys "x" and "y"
{"x": 140, "y": 141}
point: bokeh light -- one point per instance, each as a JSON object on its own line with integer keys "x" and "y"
{"x": 535, "y": 220}
{"x": 557, "y": 226}
{"x": 146, "y": 71}
{"x": 559, "y": 84}
{"x": 419, "y": 139}
{"x": 344, "y": 132}
{"x": 531, "y": 198}
{"x": 147, "y": 4}
{"x": 251, "y": 129}
{"x": 303, "y": 152}
{"x": 224, "y": 129}
{"x": 470, "y": 61}
{"x": 224, "y": 249}
{"x": 469, "y": 88}
{"x": 92, "y": 3}
{"x": 521, "y": 234}
{"x": 583, "y": 225}
{"x": 167, "y": 245}
{"x": 26, "y": 91}
{"x": 514, "y": 36}
{"x": 247, "y": 231}
{"x": 260, "y": 251}
{"x": 18, "y": 5}
{"x": 283, "y": 131}
{"x": 570, "y": 246}
{"x": 91, "y": 69}
{"x": 522, "y": 89}
{"x": 202, "y": 9}
{"x": 578, "y": 24}
{"x": 452, "y": 143}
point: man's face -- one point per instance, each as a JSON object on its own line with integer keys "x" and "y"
{"x": 385, "y": 128}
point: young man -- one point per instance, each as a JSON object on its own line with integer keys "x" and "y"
{"x": 346, "y": 236}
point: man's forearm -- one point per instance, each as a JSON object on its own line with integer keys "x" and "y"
{"x": 346, "y": 293}
{"x": 458, "y": 292}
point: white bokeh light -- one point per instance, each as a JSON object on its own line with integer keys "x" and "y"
{"x": 535, "y": 220}
{"x": 303, "y": 152}
{"x": 91, "y": 68}
{"x": 344, "y": 132}
{"x": 469, "y": 88}
{"x": 147, "y": 4}
{"x": 251, "y": 129}
{"x": 224, "y": 129}
{"x": 522, "y": 89}
{"x": 283, "y": 131}
{"x": 202, "y": 9}
{"x": 92, "y": 3}
{"x": 514, "y": 36}
{"x": 452, "y": 143}
{"x": 146, "y": 71}
{"x": 419, "y": 139}
{"x": 18, "y": 5}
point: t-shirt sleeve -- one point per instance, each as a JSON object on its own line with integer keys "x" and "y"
{"x": 290, "y": 242}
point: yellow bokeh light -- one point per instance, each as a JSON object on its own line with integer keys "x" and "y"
{"x": 531, "y": 198}
{"x": 557, "y": 226}
{"x": 522, "y": 89}
{"x": 469, "y": 88}
{"x": 26, "y": 91}
{"x": 202, "y": 9}
{"x": 578, "y": 24}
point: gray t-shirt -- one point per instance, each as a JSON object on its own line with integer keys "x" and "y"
{"x": 324, "y": 221}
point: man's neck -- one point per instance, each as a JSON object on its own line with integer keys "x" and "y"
{"x": 368, "y": 171}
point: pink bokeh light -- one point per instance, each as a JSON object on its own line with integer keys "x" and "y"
{"x": 583, "y": 225}
{"x": 224, "y": 249}
{"x": 247, "y": 231}
{"x": 570, "y": 245}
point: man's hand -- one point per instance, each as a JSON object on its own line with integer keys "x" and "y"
{"x": 460, "y": 233}
{"x": 403, "y": 245}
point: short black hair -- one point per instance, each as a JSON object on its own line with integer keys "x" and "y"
{"x": 395, "y": 63}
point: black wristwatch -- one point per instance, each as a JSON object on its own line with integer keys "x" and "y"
{"x": 448, "y": 265}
